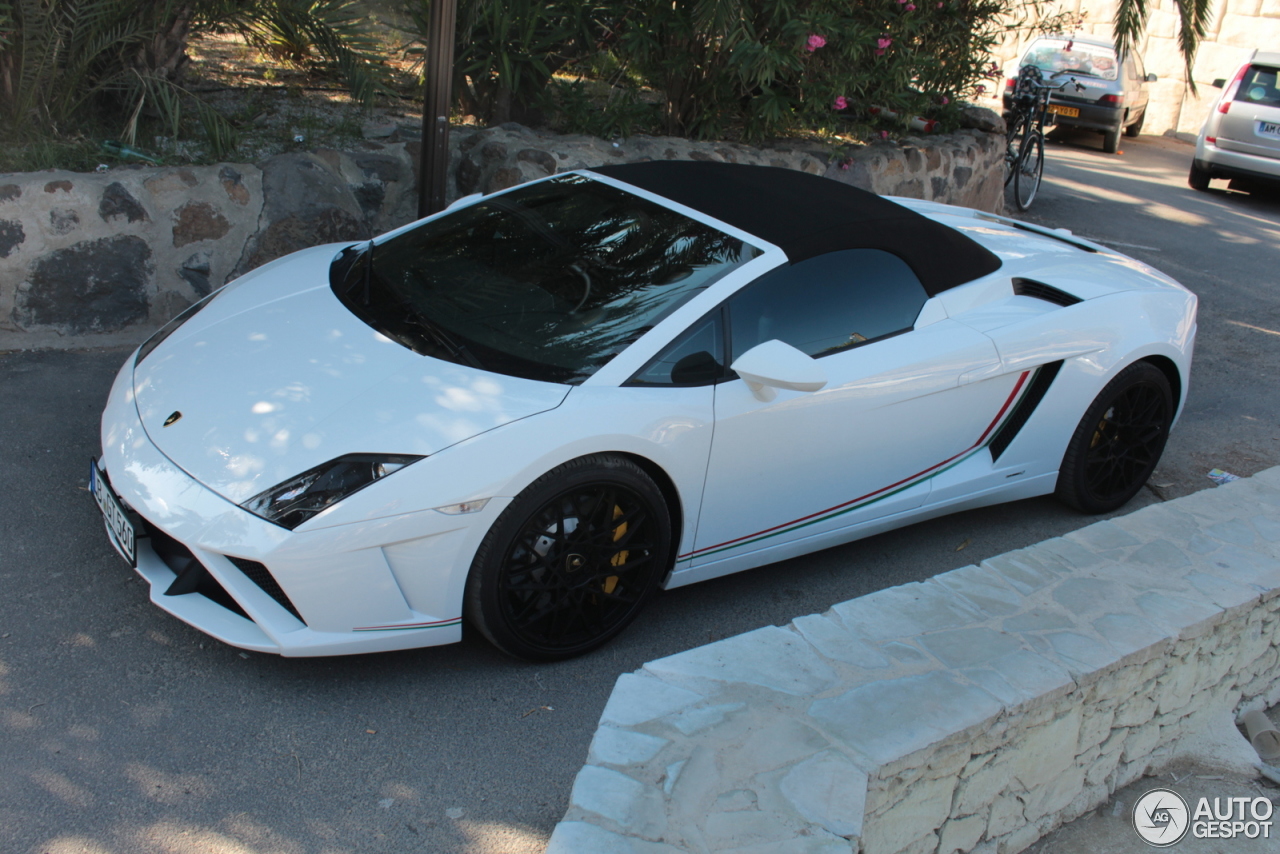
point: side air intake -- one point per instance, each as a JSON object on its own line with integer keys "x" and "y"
{"x": 1039, "y": 290}
{"x": 1022, "y": 412}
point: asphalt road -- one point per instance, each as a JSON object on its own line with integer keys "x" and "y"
{"x": 123, "y": 731}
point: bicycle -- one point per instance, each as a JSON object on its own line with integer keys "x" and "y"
{"x": 1024, "y": 133}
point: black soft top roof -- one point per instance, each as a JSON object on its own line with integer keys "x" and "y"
{"x": 806, "y": 215}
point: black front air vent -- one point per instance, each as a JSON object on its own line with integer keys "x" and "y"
{"x": 191, "y": 577}
{"x": 1022, "y": 412}
{"x": 261, "y": 576}
{"x": 1039, "y": 290}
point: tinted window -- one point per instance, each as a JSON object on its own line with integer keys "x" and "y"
{"x": 827, "y": 304}
{"x": 549, "y": 282}
{"x": 1258, "y": 86}
{"x": 695, "y": 358}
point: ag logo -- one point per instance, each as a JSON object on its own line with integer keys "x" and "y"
{"x": 1161, "y": 817}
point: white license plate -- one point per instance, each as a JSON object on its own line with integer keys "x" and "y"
{"x": 1271, "y": 129}
{"x": 121, "y": 530}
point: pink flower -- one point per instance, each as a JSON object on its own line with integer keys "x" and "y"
{"x": 884, "y": 134}
{"x": 940, "y": 5}
{"x": 815, "y": 41}
{"x": 911, "y": 7}
{"x": 840, "y": 103}
{"x": 980, "y": 88}
{"x": 883, "y": 43}
{"x": 944, "y": 100}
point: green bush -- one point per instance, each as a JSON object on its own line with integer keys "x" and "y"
{"x": 76, "y": 68}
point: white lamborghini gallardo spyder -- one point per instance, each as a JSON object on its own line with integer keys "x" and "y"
{"x": 539, "y": 407}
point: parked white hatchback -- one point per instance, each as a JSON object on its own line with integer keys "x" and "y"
{"x": 1241, "y": 137}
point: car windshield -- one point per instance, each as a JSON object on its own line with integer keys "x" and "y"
{"x": 1054, "y": 56}
{"x": 548, "y": 282}
{"x": 1259, "y": 86}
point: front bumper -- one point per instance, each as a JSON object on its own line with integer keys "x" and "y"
{"x": 385, "y": 584}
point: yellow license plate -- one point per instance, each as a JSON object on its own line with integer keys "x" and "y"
{"x": 1069, "y": 112}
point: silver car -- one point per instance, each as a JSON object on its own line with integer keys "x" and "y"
{"x": 1241, "y": 136}
{"x": 1112, "y": 93}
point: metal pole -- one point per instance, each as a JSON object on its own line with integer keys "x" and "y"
{"x": 433, "y": 169}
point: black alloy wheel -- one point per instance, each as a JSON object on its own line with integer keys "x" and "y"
{"x": 1118, "y": 442}
{"x": 572, "y": 560}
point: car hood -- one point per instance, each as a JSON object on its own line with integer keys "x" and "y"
{"x": 274, "y": 376}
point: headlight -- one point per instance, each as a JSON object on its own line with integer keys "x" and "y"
{"x": 293, "y": 502}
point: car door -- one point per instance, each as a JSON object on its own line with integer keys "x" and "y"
{"x": 897, "y": 408}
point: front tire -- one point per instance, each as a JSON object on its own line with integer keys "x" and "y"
{"x": 1136, "y": 128}
{"x": 1029, "y": 171}
{"x": 571, "y": 561}
{"x": 1118, "y": 442}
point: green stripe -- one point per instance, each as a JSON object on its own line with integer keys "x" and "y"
{"x": 840, "y": 512}
{"x": 409, "y": 628}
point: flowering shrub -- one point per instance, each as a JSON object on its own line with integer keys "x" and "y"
{"x": 767, "y": 67}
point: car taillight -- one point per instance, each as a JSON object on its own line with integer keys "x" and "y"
{"x": 1010, "y": 83}
{"x": 1109, "y": 99}
{"x": 1212, "y": 140}
{"x": 1230, "y": 93}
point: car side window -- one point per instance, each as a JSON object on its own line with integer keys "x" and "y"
{"x": 827, "y": 304}
{"x": 693, "y": 359}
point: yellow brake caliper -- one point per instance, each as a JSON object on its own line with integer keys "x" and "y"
{"x": 621, "y": 557}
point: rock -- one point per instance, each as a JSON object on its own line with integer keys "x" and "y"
{"x": 9, "y": 191}
{"x": 233, "y": 184}
{"x": 304, "y": 203}
{"x": 117, "y": 201}
{"x": 467, "y": 176}
{"x": 195, "y": 270}
{"x": 538, "y": 157}
{"x": 11, "y": 236}
{"x": 55, "y": 186}
{"x": 172, "y": 182}
{"x": 493, "y": 151}
{"x": 198, "y": 221}
{"x": 384, "y": 167}
{"x": 501, "y": 179}
{"x": 63, "y": 220}
{"x": 94, "y": 286}
{"x": 981, "y": 118}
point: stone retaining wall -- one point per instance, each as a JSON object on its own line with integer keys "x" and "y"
{"x": 101, "y": 258}
{"x": 974, "y": 712}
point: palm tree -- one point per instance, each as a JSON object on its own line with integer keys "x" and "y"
{"x": 1194, "y": 17}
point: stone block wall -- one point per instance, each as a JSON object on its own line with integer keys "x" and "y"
{"x": 974, "y": 712}
{"x": 102, "y": 258}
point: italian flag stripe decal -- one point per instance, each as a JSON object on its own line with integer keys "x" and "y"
{"x": 435, "y": 624}
{"x": 872, "y": 497}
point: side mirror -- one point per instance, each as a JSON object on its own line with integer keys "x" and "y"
{"x": 1151, "y": 78}
{"x": 1220, "y": 83}
{"x": 773, "y": 365}
{"x": 464, "y": 201}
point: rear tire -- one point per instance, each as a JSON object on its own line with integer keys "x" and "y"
{"x": 1198, "y": 178}
{"x": 1118, "y": 442}
{"x": 1111, "y": 140}
{"x": 571, "y": 561}
{"x": 1028, "y": 172}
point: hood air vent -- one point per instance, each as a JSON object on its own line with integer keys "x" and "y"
{"x": 1039, "y": 290}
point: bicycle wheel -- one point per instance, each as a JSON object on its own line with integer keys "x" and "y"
{"x": 1013, "y": 139}
{"x": 1026, "y": 176}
